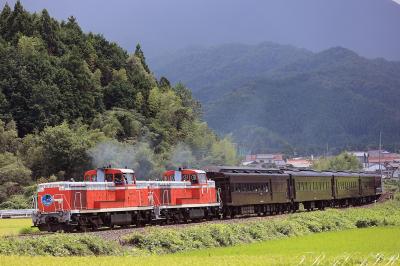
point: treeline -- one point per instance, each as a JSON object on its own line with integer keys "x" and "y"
{"x": 65, "y": 94}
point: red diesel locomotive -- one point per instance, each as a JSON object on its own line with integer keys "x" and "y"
{"x": 110, "y": 196}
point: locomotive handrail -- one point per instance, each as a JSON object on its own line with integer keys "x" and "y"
{"x": 34, "y": 202}
{"x": 155, "y": 198}
{"x": 219, "y": 195}
{"x": 62, "y": 198}
{"x": 80, "y": 200}
{"x": 165, "y": 192}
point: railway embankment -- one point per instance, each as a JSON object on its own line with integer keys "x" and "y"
{"x": 176, "y": 238}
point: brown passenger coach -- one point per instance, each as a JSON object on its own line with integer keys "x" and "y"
{"x": 262, "y": 191}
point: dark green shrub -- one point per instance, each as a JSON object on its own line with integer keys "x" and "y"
{"x": 366, "y": 223}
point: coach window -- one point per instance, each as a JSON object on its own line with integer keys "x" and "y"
{"x": 93, "y": 178}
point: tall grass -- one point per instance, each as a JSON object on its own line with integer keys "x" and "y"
{"x": 59, "y": 245}
{"x": 163, "y": 240}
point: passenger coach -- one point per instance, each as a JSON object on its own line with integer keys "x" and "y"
{"x": 269, "y": 191}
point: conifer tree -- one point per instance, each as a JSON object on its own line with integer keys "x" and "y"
{"x": 48, "y": 30}
{"x": 4, "y": 15}
{"x": 19, "y": 21}
{"x": 139, "y": 53}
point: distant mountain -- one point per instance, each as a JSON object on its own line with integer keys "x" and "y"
{"x": 275, "y": 97}
{"x": 212, "y": 72}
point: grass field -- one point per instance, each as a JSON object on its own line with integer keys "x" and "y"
{"x": 369, "y": 246}
{"x": 13, "y": 226}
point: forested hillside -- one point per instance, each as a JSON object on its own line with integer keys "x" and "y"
{"x": 280, "y": 98}
{"x": 70, "y": 101}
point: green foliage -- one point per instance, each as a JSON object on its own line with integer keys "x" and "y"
{"x": 12, "y": 169}
{"x": 16, "y": 202}
{"x": 223, "y": 152}
{"x": 28, "y": 230}
{"x": 343, "y": 161}
{"x": 58, "y": 245}
{"x": 139, "y": 53}
{"x": 61, "y": 148}
{"x": 120, "y": 124}
{"x": 64, "y": 92}
{"x": 159, "y": 241}
{"x": 9, "y": 141}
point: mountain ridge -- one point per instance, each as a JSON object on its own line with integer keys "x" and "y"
{"x": 335, "y": 96}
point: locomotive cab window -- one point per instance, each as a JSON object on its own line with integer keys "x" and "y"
{"x": 118, "y": 179}
{"x": 128, "y": 177}
{"x": 109, "y": 178}
{"x": 193, "y": 179}
{"x": 185, "y": 177}
{"x": 202, "y": 178}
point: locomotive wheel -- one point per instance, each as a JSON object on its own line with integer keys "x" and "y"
{"x": 82, "y": 228}
{"x": 68, "y": 228}
{"x": 53, "y": 228}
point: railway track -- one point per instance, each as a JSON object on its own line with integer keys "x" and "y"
{"x": 117, "y": 233}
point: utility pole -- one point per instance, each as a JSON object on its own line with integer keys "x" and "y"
{"x": 380, "y": 148}
{"x": 327, "y": 150}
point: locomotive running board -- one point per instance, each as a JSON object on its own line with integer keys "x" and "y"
{"x": 190, "y": 206}
{"x": 147, "y": 208}
{"x": 114, "y": 209}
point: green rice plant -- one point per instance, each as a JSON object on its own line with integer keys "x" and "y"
{"x": 369, "y": 246}
{"x": 166, "y": 240}
{"x": 13, "y": 226}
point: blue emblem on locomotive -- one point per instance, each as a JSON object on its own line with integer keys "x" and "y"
{"x": 47, "y": 200}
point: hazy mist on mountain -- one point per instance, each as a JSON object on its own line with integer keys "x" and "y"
{"x": 275, "y": 97}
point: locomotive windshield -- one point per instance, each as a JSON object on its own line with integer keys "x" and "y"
{"x": 128, "y": 178}
{"x": 202, "y": 178}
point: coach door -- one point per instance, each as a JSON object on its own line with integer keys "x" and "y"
{"x": 224, "y": 188}
{"x": 291, "y": 188}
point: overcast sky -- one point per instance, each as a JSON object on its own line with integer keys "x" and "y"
{"x": 369, "y": 27}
